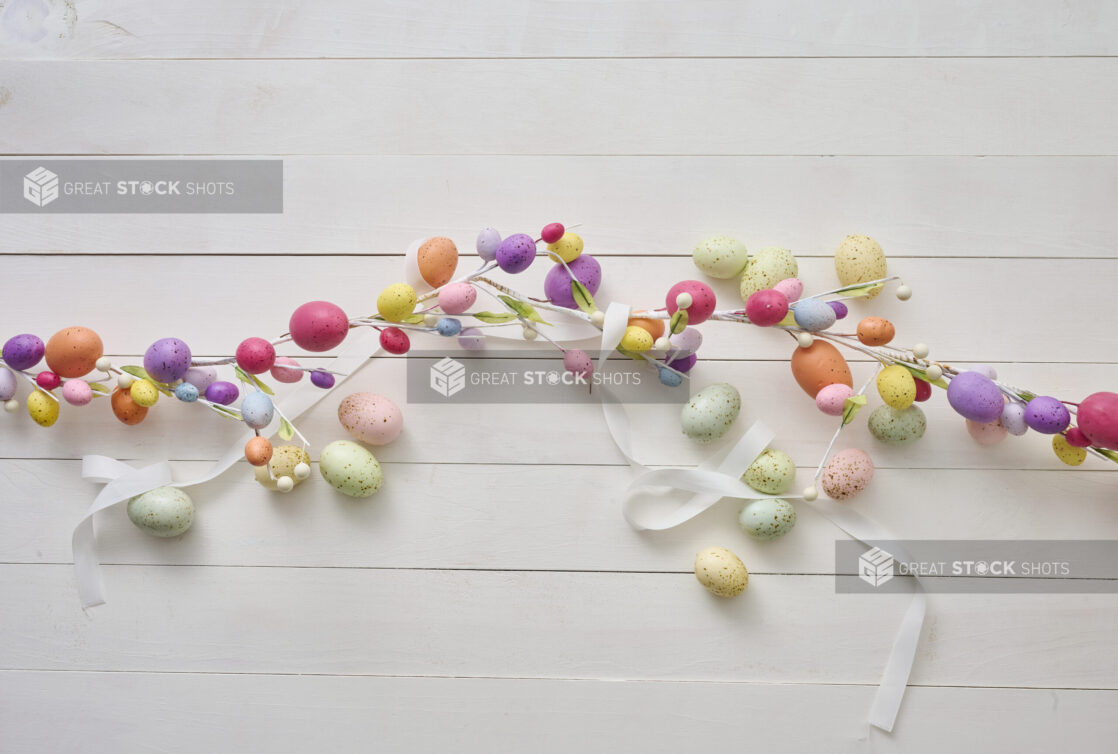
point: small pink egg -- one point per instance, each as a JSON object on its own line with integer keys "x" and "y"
{"x": 792, "y": 288}
{"x": 370, "y": 418}
{"x": 832, "y": 398}
{"x": 990, "y": 433}
{"x": 847, "y": 473}
{"x": 457, "y": 298}
{"x": 77, "y": 392}
{"x": 578, "y": 362}
{"x": 279, "y": 374}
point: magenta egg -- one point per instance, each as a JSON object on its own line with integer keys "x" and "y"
{"x": 557, "y": 284}
{"x": 281, "y": 372}
{"x": 578, "y": 362}
{"x": 1076, "y": 438}
{"x": 457, "y": 298}
{"x": 923, "y": 390}
{"x": 1097, "y": 417}
{"x": 318, "y": 326}
{"x": 24, "y": 351}
{"x": 974, "y": 396}
{"x": 552, "y": 232}
{"x": 256, "y": 355}
{"x": 167, "y": 360}
{"x": 47, "y": 380}
{"x": 1047, "y": 415}
{"x": 702, "y": 300}
{"x": 394, "y": 340}
{"x": 766, "y": 308}
{"x": 222, "y": 392}
{"x": 516, "y": 253}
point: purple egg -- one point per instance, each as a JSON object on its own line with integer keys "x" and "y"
{"x": 683, "y": 363}
{"x": 840, "y": 309}
{"x": 975, "y": 397}
{"x": 201, "y": 377}
{"x": 516, "y": 253}
{"x": 322, "y": 379}
{"x": 167, "y": 359}
{"x": 557, "y": 284}
{"x": 222, "y": 392}
{"x": 1047, "y": 415}
{"x": 23, "y": 351}
{"x": 687, "y": 342}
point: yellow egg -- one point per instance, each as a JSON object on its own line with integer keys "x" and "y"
{"x": 896, "y": 386}
{"x": 566, "y": 248}
{"x": 1066, "y": 452}
{"x": 143, "y": 393}
{"x": 396, "y": 302}
{"x": 636, "y": 339}
{"x": 42, "y": 408}
{"x": 860, "y": 259}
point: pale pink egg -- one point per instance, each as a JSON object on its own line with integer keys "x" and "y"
{"x": 990, "y": 433}
{"x": 832, "y": 399}
{"x": 847, "y": 473}
{"x": 279, "y": 374}
{"x": 457, "y": 298}
{"x": 792, "y": 288}
{"x": 77, "y": 392}
{"x": 370, "y": 418}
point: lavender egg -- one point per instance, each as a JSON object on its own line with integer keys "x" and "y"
{"x": 8, "y": 384}
{"x": 23, "y": 351}
{"x": 488, "y": 241}
{"x": 1013, "y": 419}
{"x": 471, "y": 339}
{"x": 222, "y": 393}
{"x": 200, "y": 377}
{"x": 167, "y": 360}
{"x": 974, "y": 396}
{"x": 1047, "y": 415}
{"x": 557, "y": 284}
{"x": 687, "y": 342}
{"x": 516, "y": 253}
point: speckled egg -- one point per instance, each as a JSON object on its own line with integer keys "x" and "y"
{"x": 773, "y": 472}
{"x": 201, "y": 377}
{"x": 847, "y": 473}
{"x": 168, "y": 359}
{"x": 517, "y": 252}
{"x": 768, "y": 267}
{"x": 635, "y": 339}
{"x": 1097, "y": 418}
{"x": 258, "y": 451}
{"x": 578, "y": 362}
{"x": 396, "y": 302}
{"x": 876, "y": 331}
{"x": 282, "y": 372}
{"x": 974, "y": 396}
{"x": 1066, "y": 452}
{"x": 1047, "y": 415}
{"x": 831, "y": 400}
{"x": 896, "y": 386}
{"x": 319, "y": 326}
{"x": 721, "y": 257}
{"x": 42, "y": 408}
{"x": 557, "y": 284}
{"x": 162, "y": 512}
{"x": 766, "y": 519}
{"x": 897, "y": 427}
{"x": 125, "y": 409}
{"x": 710, "y": 412}
{"x": 790, "y": 288}
{"x": 457, "y": 298}
{"x": 860, "y": 259}
{"x": 990, "y": 433}
{"x": 76, "y": 392}
{"x": 721, "y": 572}
{"x": 819, "y": 365}
{"x": 566, "y": 248}
{"x": 257, "y": 409}
{"x": 8, "y": 384}
{"x": 654, "y": 327}
{"x": 284, "y": 460}
{"x": 437, "y": 259}
{"x": 488, "y": 241}
{"x": 703, "y": 300}
{"x": 350, "y": 469}
{"x": 1013, "y": 418}
{"x": 813, "y": 315}
{"x": 370, "y": 418}
{"x": 471, "y": 339}
{"x": 687, "y": 342}
{"x": 23, "y": 351}
{"x": 73, "y": 351}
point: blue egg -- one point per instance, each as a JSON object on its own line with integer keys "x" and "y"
{"x": 449, "y": 326}
{"x": 186, "y": 392}
{"x": 813, "y": 315}
{"x": 257, "y": 409}
{"x": 670, "y": 378}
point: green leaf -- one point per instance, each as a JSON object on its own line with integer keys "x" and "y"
{"x": 1112, "y": 455}
{"x": 138, "y": 372}
{"x": 851, "y": 407}
{"x": 242, "y": 375}
{"x": 1026, "y": 395}
{"x": 99, "y": 388}
{"x": 494, "y": 318}
{"x": 582, "y": 297}
{"x": 286, "y": 431}
{"x": 415, "y": 319}
{"x": 524, "y": 310}
{"x": 678, "y": 322}
{"x": 861, "y": 290}
{"x": 222, "y": 411}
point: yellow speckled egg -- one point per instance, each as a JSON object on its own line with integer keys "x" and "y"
{"x": 721, "y": 572}
{"x": 566, "y": 248}
{"x": 42, "y": 409}
{"x": 860, "y": 259}
{"x": 1067, "y": 452}
{"x": 721, "y": 257}
{"x": 768, "y": 267}
{"x": 636, "y": 339}
{"x": 773, "y": 473}
{"x": 350, "y": 469}
{"x": 144, "y": 394}
{"x": 284, "y": 460}
{"x": 896, "y": 386}
{"x": 437, "y": 259}
{"x": 396, "y": 302}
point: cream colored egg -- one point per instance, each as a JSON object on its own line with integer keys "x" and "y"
{"x": 285, "y": 459}
{"x": 710, "y": 412}
{"x": 773, "y": 473}
{"x": 721, "y": 257}
{"x": 162, "y": 512}
{"x": 860, "y": 259}
{"x": 721, "y": 572}
{"x": 350, "y": 469}
{"x": 768, "y": 267}
{"x": 897, "y": 427}
{"x": 769, "y": 518}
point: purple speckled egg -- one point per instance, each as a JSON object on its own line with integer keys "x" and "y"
{"x": 974, "y": 396}
{"x": 167, "y": 359}
{"x": 23, "y": 351}
{"x": 682, "y": 363}
{"x": 516, "y": 253}
{"x": 557, "y": 284}
{"x": 322, "y": 379}
{"x": 222, "y": 392}
{"x": 840, "y": 309}
{"x": 200, "y": 377}
{"x": 1047, "y": 415}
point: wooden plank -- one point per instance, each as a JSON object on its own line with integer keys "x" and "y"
{"x": 915, "y": 206}
{"x": 527, "y": 518}
{"x": 440, "y": 28}
{"x": 194, "y": 712}
{"x": 917, "y": 106}
{"x": 541, "y": 625}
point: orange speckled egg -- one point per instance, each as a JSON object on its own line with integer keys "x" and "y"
{"x": 258, "y": 451}
{"x": 820, "y": 365}
{"x": 126, "y": 409}
{"x": 654, "y": 327}
{"x": 437, "y": 259}
{"x": 73, "y": 352}
{"x": 875, "y": 331}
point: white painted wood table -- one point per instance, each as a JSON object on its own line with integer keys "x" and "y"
{"x": 491, "y": 598}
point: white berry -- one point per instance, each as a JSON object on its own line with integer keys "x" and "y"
{"x": 810, "y": 493}
{"x": 933, "y": 373}
{"x": 302, "y": 471}
{"x": 431, "y": 319}
{"x": 11, "y": 406}
{"x": 920, "y": 351}
{"x": 103, "y": 364}
{"x": 598, "y": 318}
{"x": 125, "y": 381}
{"x": 285, "y": 484}
{"x": 805, "y": 339}
{"x": 662, "y": 344}
{"x": 684, "y": 300}
{"x": 904, "y": 293}
{"x": 529, "y": 333}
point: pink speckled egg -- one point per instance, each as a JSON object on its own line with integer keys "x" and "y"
{"x": 318, "y": 326}
{"x": 702, "y": 300}
{"x": 578, "y": 362}
{"x": 990, "y": 433}
{"x": 280, "y": 374}
{"x": 832, "y": 399}
{"x": 457, "y": 298}
{"x": 77, "y": 392}
{"x": 847, "y": 473}
{"x": 370, "y": 418}
{"x": 792, "y": 288}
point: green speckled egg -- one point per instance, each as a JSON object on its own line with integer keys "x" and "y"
{"x": 768, "y": 267}
{"x": 859, "y": 259}
{"x": 767, "y": 519}
{"x": 773, "y": 473}
{"x": 350, "y": 469}
{"x": 162, "y": 512}
{"x": 721, "y": 257}
{"x": 710, "y": 412}
{"x": 897, "y": 427}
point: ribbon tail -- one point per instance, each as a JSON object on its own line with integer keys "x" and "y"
{"x": 894, "y": 681}
{"x": 87, "y": 567}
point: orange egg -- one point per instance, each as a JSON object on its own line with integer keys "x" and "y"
{"x": 875, "y": 331}
{"x": 73, "y": 352}
{"x": 654, "y": 327}
{"x": 820, "y": 365}
{"x": 258, "y": 451}
{"x": 437, "y": 259}
{"x": 126, "y": 409}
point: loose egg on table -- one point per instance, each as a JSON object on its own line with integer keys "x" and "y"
{"x": 773, "y": 472}
{"x": 721, "y": 572}
{"x": 847, "y": 474}
{"x": 768, "y": 267}
{"x": 897, "y": 426}
{"x": 860, "y": 259}
{"x": 721, "y": 257}
{"x": 162, "y": 512}
{"x": 350, "y": 469}
{"x": 768, "y": 518}
{"x": 370, "y": 418}
{"x": 710, "y": 412}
